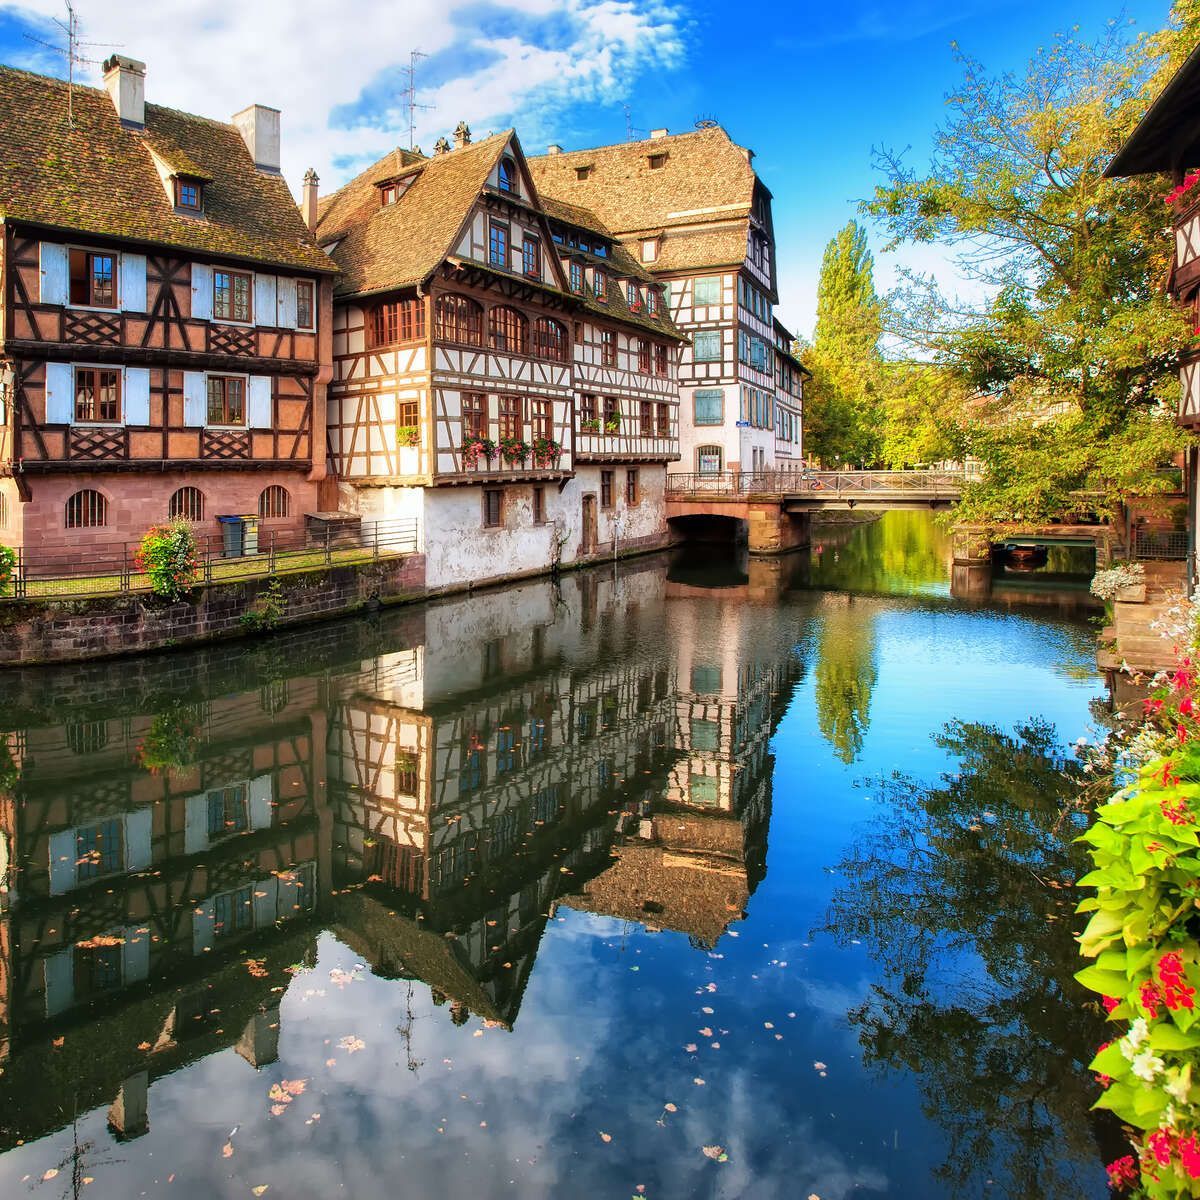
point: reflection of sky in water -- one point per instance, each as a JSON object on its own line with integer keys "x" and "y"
{"x": 600, "y": 1042}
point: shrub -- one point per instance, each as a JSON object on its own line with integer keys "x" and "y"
{"x": 8, "y": 564}
{"x": 173, "y": 739}
{"x": 1106, "y": 584}
{"x": 168, "y": 556}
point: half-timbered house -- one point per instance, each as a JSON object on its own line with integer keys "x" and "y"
{"x": 691, "y": 209}
{"x": 504, "y": 374}
{"x": 790, "y": 374}
{"x": 164, "y": 312}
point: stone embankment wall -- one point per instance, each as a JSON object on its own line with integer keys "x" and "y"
{"x": 44, "y": 631}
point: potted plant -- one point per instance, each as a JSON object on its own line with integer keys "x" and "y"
{"x": 475, "y": 448}
{"x": 546, "y": 452}
{"x": 514, "y": 451}
{"x": 408, "y": 435}
{"x": 1122, "y": 581}
{"x": 589, "y": 425}
{"x": 612, "y": 424}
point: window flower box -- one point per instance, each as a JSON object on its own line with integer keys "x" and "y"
{"x": 613, "y": 424}
{"x": 591, "y": 425}
{"x": 474, "y": 449}
{"x": 514, "y": 451}
{"x": 546, "y": 452}
{"x": 408, "y": 435}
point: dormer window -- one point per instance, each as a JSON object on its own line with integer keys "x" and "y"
{"x": 392, "y": 189}
{"x": 657, "y": 161}
{"x": 633, "y": 297}
{"x": 582, "y": 173}
{"x": 599, "y": 284}
{"x": 652, "y": 301}
{"x": 507, "y": 175}
{"x": 188, "y": 194}
{"x": 576, "y": 276}
{"x": 649, "y": 249}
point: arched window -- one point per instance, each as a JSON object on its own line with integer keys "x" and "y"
{"x": 550, "y": 339}
{"x": 187, "y": 502}
{"x": 396, "y": 321}
{"x": 458, "y": 319}
{"x": 508, "y": 331}
{"x": 274, "y": 501}
{"x": 87, "y": 737}
{"x": 507, "y": 175}
{"x": 86, "y": 510}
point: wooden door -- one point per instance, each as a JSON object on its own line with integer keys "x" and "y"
{"x": 589, "y": 524}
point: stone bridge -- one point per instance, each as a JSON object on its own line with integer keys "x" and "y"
{"x": 774, "y": 507}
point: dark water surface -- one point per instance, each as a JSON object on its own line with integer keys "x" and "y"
{"x": 685, "y": 879}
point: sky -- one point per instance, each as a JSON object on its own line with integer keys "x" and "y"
{"x": 811, "y": 88}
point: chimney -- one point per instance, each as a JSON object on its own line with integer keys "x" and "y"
{"x": 259, "y": 127}
{"x": 554, "y": 148}
{"x": 462, "y": 135}
{"x": 658, "y": 133}
{"x": 441, "y": 146}
{"x": 125, "y": 79}
{"x": 308, "y": 198}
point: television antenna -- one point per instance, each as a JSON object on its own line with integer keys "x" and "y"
{"x": 408, "y": 95}
{"x": 706, "y": 122}
{"x": 70, "y": 52}
{"x": 630, "y": 129}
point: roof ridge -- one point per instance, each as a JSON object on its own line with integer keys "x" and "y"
{"x": 646, "y": 141}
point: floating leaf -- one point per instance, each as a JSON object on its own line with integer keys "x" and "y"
{"x": 605, "y": 1137}
{"x": 671, "y": 1107}
{"x": 227, "y": 1150}
{"x": 716, "y": 1153}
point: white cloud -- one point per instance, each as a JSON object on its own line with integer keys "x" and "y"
{"x": 216, "y": 59}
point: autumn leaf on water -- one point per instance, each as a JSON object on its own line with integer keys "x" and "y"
{"x": 671, "y": 1107}
{"x": 143, "y": 1045}
{"x": 352, "y": 1044}
{"x": 706, "y": 1032}
{"x": 716, "y": 1153}
{"x": 262, "y": 1187}
{"x": 58, "y": 1041}
{"x": 698, "y": 1081}
{"x": 295, "y": 1087}
{"x": 690, "y": 1048}
{"x": 605, "y": 1137}
{"x": 227, "y": 1150}
{"x": 50, "y": 1174}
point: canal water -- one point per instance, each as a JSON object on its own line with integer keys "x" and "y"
{"x": 686, "y": 878}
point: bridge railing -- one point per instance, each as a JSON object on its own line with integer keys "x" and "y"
{"x": 935, "y": 483}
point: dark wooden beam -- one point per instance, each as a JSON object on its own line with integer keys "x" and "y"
{"x": 152, "y": 357}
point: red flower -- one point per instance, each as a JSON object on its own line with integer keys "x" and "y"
{"x": 1159, "y": 1143}
{"x": 1122, "y": 1171}
{"x": 1152, "y": 705}
{"x": 1150, "y": 997}
{"x": 1110, "y": 1003}
{"x": 1177, "y": 814}
{"x": 1185, "y": 707}
{"x": 1189, "y": 1152}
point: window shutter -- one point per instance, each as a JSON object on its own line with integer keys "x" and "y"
{"x": 265, "y": 303}
{"x": 202, "y": 291}
{"x": 54, "y": 273}
{"x": 60, "y": 981}
{"x": 60, "y": 393}
{"x": 203, "y": 934}
{"x": 137, "y": 839}
{"x": 266, "y": 901}
{"x": 132, "y": 283}
{"x": 62, "y": 861}
{"x": 195, "y": 398}
{"x": 195, "y": 824}
{"x": 262, "y": 792}
{"x": 137, "y": 395}
{"x": 258, "y": 406}
{"x": 135, "y": 953}
{"x": 287, "y": 304}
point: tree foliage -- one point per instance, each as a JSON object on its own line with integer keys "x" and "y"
{"x": 1073, "y": 341}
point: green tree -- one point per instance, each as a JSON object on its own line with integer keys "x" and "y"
{"x": 922, "y": 410}
{"x": 1074, "y": 344}
{"x": 841, "y": 400}
{"x": 845, "y": 674}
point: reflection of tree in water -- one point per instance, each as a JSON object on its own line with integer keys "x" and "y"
{"x": 900, "y": 554}
{"x": 845, "y": 675}
{"x": 963, "y": 893}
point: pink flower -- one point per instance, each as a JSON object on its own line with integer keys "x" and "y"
{"x": 1110, "y": 1003}
{"x": 1189, "y": 1152}
{"x": 1159, "y": 1143}
{"x": 1122, "y": 1171}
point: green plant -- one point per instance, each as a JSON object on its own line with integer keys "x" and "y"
{"x": 612, "y": 423}
{"x": 173, "y": 739}
{"x": 168, "y": 555}
{"x": 267, "y": 610}
{"x": 8, "y": 565}
{"x": 546, "y": 452}
{"x": 408, "y": 435}
{"x": 474, "y": 449}
{"x": 589, "y": 425}
{"x": 514, "y": 451}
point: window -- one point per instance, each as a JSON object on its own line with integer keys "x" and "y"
{"x": 660, "y": 359}
{"x": 643, "y": 356}
{"x": 407, "y": 775}
{"x": 540, "y": 419}
{"x": 508, "y": 331}
{"x": 646, "y": 421}
{"x": 97, "y": 394}
{"x": 396, "y": 321}
{"x": 649, "y": 249}
{"x": 506, "y": 751}
{"x": 608, "y": 348}
{"x": 408, "y": 414}
{"x": 227, "y": 811}
{"x": 187, "y": 194}
{"x": 600, "y": 284}
{"x": 633, "y": 297}
{"x": 606, "y": 493}
{"x": 707, "y": 290}
{"x": 708, "y": 460}
{"x": 706, "y": 345}
{"x": 652, "y": 301}
{"x": 507, "y": 175}
{"x": 86, "y": 510}
{"x": 498, "y": 245}
{"x": 702, "y": 789}
{"x": 576, "y": 276}
{"x": 96, "y": 969}
{"x": 582, "y": 173}
{"x": 233, "y": 912}
{"x": 226, "y": 400}
{"x": 550, "y": 339}
{"x": 274, "y": 501}
{"x": 458, "y": 319}
{"x": 539, "y": 506}
{"x": 511, "y": 417}
{"x": 632, "y": 493}
{"x": 305, "y": 309}
{"x": 587, "y": 407}
{"x": 531, "y": 257}
{"x": 612, "y": 415}
{"x": 706, "y": 677}
{"x": 708, "y": 406}
{"x": 87, "y": 737}
{"x": 231, "y": 296}
{"x": 93, "y": 279}
{"x": 758, "y": 354}
{"x": 99, "y": 849}
{"x": 475, "y": 415}
{"x": 493, "y": 507}
{"x": 187, "y": 502}
{"x": 657, "y": 161}
{"x": 664, "y": 420}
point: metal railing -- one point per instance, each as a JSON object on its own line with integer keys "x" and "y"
{"x": 834, "y": 484}
{"x": 1149, "y": 544}
{"x": 106, "y": 569}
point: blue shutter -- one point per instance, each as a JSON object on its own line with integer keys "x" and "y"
{"x": 137, "y": 396}
{"x": 60, "y": 393}
{"x": 708, "y": 405}
{"x": 258, "y": 405}
{"x": 286, "y": 303}
{"x": 265, "y": 300}
{"x": 131, "y": 285}
{"x": 53, "y": 273}
{"x": 195, "y": 398}
{"x": 202, "y": 291}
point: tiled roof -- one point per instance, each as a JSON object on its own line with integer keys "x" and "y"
{"x": 696, "y": 250}
{"x": 402, "y": 244}
{"x": 98, "y": 177}
{"x": 703, "y": 170}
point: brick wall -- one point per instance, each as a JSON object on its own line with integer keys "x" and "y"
{"x": 36, "y": 631}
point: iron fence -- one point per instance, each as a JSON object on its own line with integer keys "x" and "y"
{"x": 105, "y": 569}
{"x": 785, "y": 482}
{"x": 1148, "y": 544}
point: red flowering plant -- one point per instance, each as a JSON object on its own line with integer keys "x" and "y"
{"x": 514, "y": 451}
{"x": 478, "y": 448}
{"x": 1177, "y": 193}
{"x": 546, "y": 452}
{"x": 168, "y": 555}
{"x": 1143, "y": 935}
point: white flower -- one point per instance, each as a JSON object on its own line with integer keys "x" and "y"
{"x": 1147, "y": 1065}
{"x": 1131, "y": 1043}
{"x": 1177, "y": 1088}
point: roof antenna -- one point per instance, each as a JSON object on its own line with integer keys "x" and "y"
{"x": 408, "y": 95}
{"x": 71, "y": 53}
{"x": 706, "y": 122}
{"x": 630, "y": 129}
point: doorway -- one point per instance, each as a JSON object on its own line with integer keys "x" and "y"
{"x": 589, "y": 523}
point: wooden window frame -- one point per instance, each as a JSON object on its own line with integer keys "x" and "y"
{"x": 550, "y": 340}
{"x": 633, "y": 488}
{"x": 606, "y": 491}
{"x": 652, "y": 302}
{"x": 506, "y": 176}
{"x": 458, "y": 319}
{"x": 663, "y": 422}
{"x": 510, "y": 415}
{"x": 575, "y": 276}
{"x": 541, "y": 418}
{"x": 233, "y": 276}
{"x": 89, "y": 278}
{"x": 589, "y": 408}
{"x": 661, "y": 361}
{"x": 612, "y": 411}
{"x": 645, "y": 356}
{"x": 476, "y": 419}
{"x": 608, "y": 348}
{"x": 646, "y": 418}
{"x": 395, "y": 322}
{"x": 499, "y": 236}
{"x": 493, "y": 496}
{"x": 600, "y": 285}
{"x": 306, "y": 285}
{"x": 633, "y": 297}
{"x": 224, "y": 380}
{"x": 95, "y": 418}
{"x": 537, "y": 505}
{"x": 700, "y": 454}
{"x": 183, "y": 185}
{"x": 93, "y": 516}
{"x": 511, "y": 324}
{"x": 531, "y": 257}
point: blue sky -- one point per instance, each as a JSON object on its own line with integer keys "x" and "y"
{"x": 811, "y": 88}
